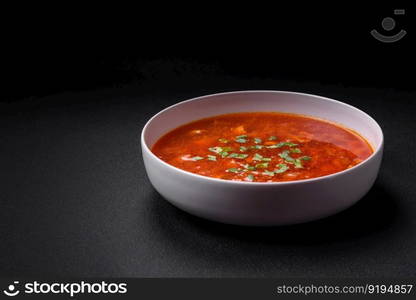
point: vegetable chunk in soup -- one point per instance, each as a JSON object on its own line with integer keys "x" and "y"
{"x": 262, "y": 147}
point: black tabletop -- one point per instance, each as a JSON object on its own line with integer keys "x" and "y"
{"x": 75, "y": 199}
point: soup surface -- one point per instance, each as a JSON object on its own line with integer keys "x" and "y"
{"x": 262, "y": 147}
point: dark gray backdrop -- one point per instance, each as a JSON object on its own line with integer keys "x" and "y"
{"x": 75, "y": 200}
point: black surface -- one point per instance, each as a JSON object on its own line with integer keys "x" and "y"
{"x": 75, "y": 200}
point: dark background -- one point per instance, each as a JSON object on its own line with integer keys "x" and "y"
{"x": 90, "y": 49}
{"x": 78, "y": 86}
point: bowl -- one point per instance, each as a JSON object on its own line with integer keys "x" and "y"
{"x": 261, "y": 203}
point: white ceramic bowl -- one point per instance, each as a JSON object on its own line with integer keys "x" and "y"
{"x": 261, "y": 203}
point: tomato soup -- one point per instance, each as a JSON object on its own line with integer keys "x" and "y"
{"x": 262, "y": 147}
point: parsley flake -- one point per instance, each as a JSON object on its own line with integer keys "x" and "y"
{"x": 257, "y": 147}
{"x": 268, "y": 173}
{"x": 262, "y": 165}
{"x": 248, "y": 167}
{"x": 281, "y": 144}
{"x": 281, "y": 168}
{"x": 195, "y": 158}
{"x": 249, "y": 178}
{"x": 285, "y": 155}
{"x": 215, "y": 149}
{"x": 241, "y": 140}
{"x": 234, "y": 170}
{"x": 257, "y": 157}
{"x": 238, "y": 155}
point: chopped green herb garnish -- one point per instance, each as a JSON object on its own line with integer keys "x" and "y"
{"x": 224, "y": 154}
{"x": 223, "y": 151}
{"x": 223, "y": 140}
{"x": 195, "y": 158}
{"x": 268, "y": 173}
{"x": 281, "y": 144}
{"x": 260, "y": 157}
{"x": 212, "y": 157}
{"x": 256, "y": 147}
{"x": 272, "y": 138}
{"x": 257, "y": 157}
{"x": 241, "y": 140}
{"x": 285, "y": 155}
{"x": 249, "y": 177}
{"x": 238, "y": 155}
{"x": 281, "y": 168}
{"x": 262, "y": 165}
{"x": 242, "y": 148}
{"x": 298, "y": 163}
{"x": 288, "y": 144}
{"x": 215, "y": 149}
{"x": 257, "y": 140}
{"x": 273, "y": 146}
{"x": 248, "y": 167}
{"x": 295, "y": 150}
{"x": 234, "y": 170}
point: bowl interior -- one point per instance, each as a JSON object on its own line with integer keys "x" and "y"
{"x": 258, "y": 101}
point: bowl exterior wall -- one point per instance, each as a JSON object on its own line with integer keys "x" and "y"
{"x": 264, "y": 204}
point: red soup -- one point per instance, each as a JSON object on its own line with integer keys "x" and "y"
{"x": 262, "y": 147}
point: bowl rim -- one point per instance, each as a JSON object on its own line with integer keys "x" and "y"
{"x": 235, "y": 182}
